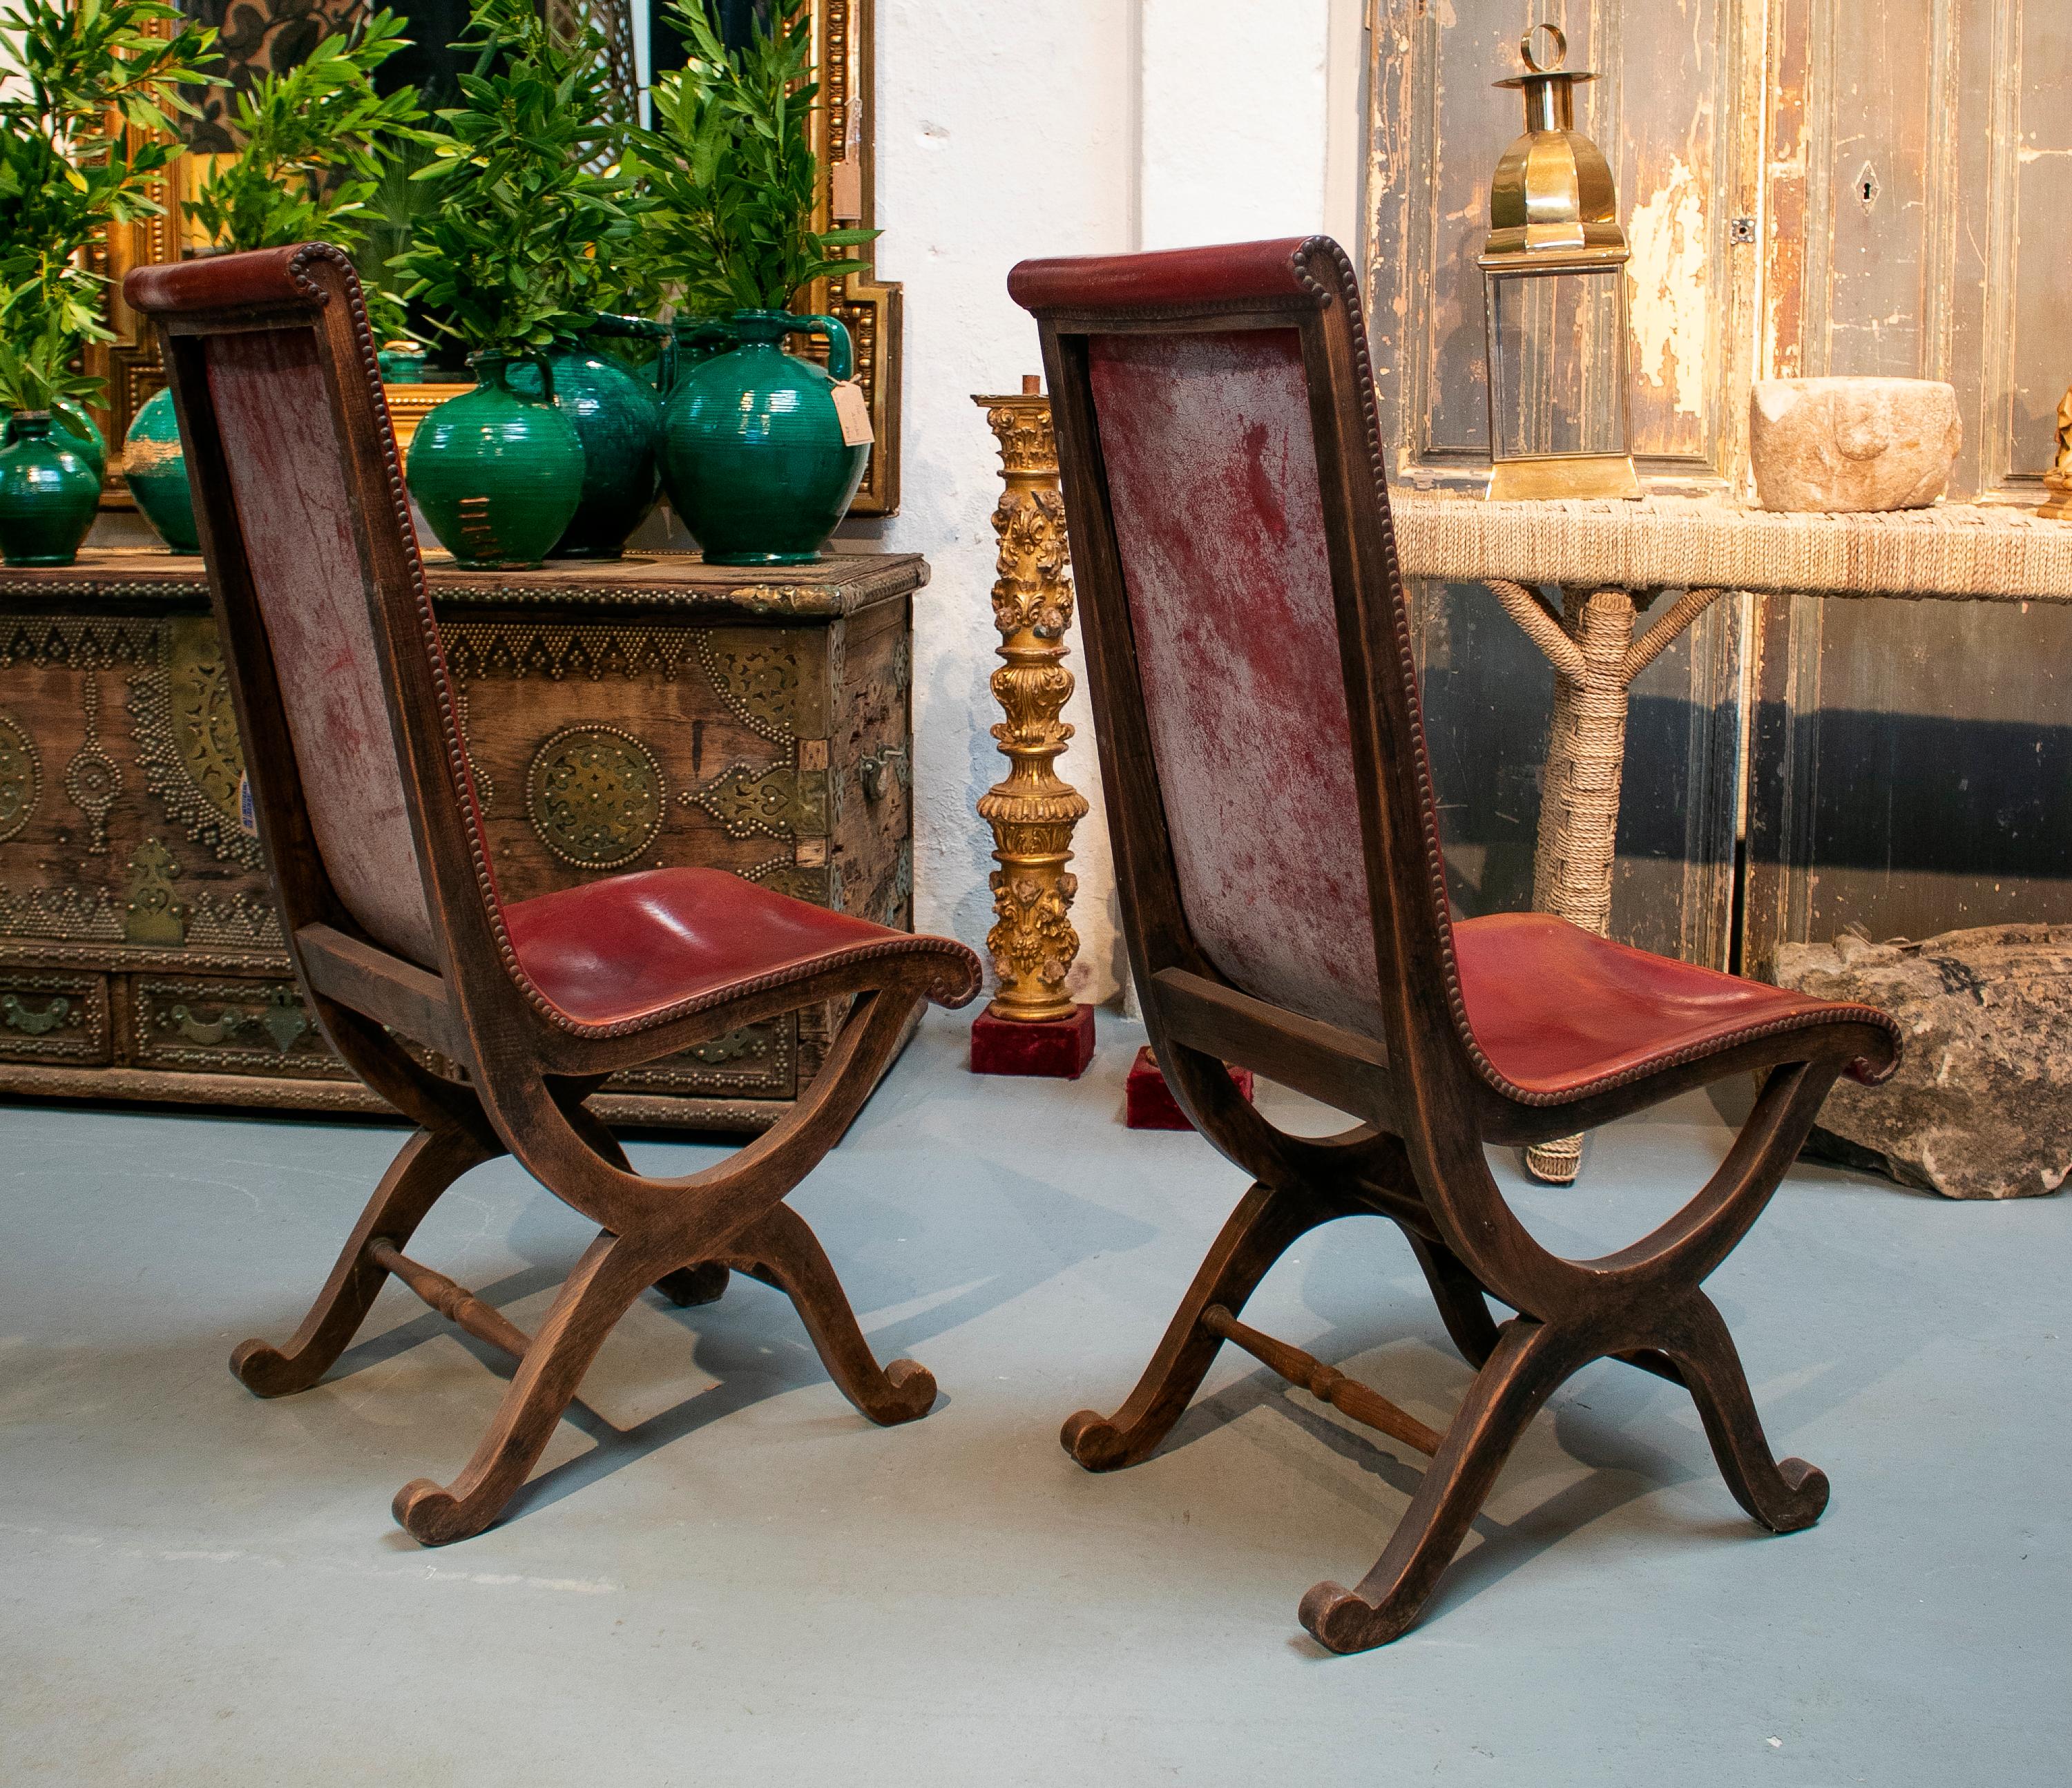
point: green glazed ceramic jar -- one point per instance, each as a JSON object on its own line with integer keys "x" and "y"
{"x": 753, "y": 455}
{"x": 618, "y": 417}
{"x": 72, "y": 425}
{"x": 402, "y": 362}
{"x": 497, "y": 474}
{"x": 156, "y": 468}
{"x": 48, "y": 493}
{"x": 694, "y": 339}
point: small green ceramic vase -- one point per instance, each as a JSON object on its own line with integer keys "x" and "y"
{"x": 48, "y": 493}
{"x": 618, "y": 417}
{"x": 156, "y": 468}
{"x": 499, "y": 474}
{"x": 72, "y": 425}
{"x": 753, "y": 455}
{"x": 402, "y": 362}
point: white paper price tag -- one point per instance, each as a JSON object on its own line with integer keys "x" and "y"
{"x": 853, "y": 409}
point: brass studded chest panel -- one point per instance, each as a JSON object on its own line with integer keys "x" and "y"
{"x": 625, "y": 716}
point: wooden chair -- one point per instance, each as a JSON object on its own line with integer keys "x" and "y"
{"x": 1284, "y": 898}
{"x": 388, "y": 897}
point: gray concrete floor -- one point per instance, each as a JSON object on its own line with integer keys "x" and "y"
{"x": 721, "y": 1573}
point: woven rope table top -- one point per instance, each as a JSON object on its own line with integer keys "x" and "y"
{"x": 1962, "y": 551}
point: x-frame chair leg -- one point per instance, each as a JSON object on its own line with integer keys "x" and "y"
{"x": 682, "y": 1236}
{"x": 1529, "y": 1363}
{"x": 781, "y": 1250}
{"x": 1786, "y": 1495}
{"x": 704, "y": 1283}
{"x": 1268, "y": 1221}
{"x": 612, "y": 1273}
{"x": 1521, "y": 1364}
{"x": 430, "y": 1162}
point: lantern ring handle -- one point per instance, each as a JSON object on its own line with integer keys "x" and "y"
{"x": 1560, "y": 49}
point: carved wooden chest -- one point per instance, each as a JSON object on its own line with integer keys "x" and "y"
{"x": 623, "y": 716}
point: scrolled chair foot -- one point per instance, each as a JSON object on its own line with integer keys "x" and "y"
{"x": 1806, "y": 1504}
{"x": 1340, "y": 1620}
{"x": 430, "y": 1515}
{"x": 1093, "y": 1441}
{"x": 913, "y": 1392}
{"x": 264, "y": 1371}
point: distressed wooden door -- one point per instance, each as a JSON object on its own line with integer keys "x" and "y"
{"x": 1910, "y": 771}
{"x": 1809, "y": 187}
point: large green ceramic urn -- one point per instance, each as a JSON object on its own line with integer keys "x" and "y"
{"x": 155, "y": 467}
{"x": 618, "y": 417}
{"x": 74, "y": 428}
{"x": 753, "y": 455}
{"x": 48, "y": 493}
{"x": 499, "y": 473}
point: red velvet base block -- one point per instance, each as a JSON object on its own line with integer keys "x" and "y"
{"x": 1148, "y": 1102}
{"x": 1058, "y": 1048}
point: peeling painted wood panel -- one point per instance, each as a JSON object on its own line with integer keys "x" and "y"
{"x": 1787, "y": 198}
{"x": 1668, "y": 111}
{"x": 1935, "y": 146}
{"x": 1872, "y": 150}
{"x": 1665, "y": 124}
{"x": 1470, "y": 124}
{"x": 2042, "y": 361}
{"x": 1909, "y": 769}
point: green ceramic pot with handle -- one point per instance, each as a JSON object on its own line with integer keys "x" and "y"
{"x": 71, "y": 424}
{"x": 498, "y": 473}
{"x": 156, "y": 469}
{"x": 696, "y": 340}
{"x": 753, "y": 452}
{"x": 618, "y": 417}
{"x": 48, "y": 493}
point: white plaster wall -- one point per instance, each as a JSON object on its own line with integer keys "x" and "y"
{"x": 1234, "y": 115}
{"x": 1012, "y": 128}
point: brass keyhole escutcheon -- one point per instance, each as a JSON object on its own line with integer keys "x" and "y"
{"x": 1532, "y": 61}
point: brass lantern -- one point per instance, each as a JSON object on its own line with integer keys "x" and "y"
{"x": 1554, "y": 278}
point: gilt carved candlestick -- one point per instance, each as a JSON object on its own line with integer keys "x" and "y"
{"x": 1033, "y": 1025}
{"x": 2058, "y": 481}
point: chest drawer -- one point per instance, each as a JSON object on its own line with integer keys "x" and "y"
{"x": 51, "y": 1015}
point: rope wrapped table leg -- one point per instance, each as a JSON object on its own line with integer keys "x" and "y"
{"x": 1595, "y": 657}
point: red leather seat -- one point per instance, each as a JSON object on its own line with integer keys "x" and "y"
{"x": 632, "y": 949}
{"x": 1560, "y": 1012}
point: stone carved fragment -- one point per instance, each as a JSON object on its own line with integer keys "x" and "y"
{"x": 1852, "y": 445}
{"x": 1981, "y": 1106}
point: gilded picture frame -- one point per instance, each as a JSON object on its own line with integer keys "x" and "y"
{"x": 845, "y": 132}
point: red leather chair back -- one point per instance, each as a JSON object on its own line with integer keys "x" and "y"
{"x": 300, "y": 501}
{"x": 1214, "y": 385}
{"x": 285, "y": 460}
{"x": 1219, "y": 519}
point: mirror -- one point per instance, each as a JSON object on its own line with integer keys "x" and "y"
{"x": 258, "y": 34}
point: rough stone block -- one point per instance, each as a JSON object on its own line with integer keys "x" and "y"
{"x": 1981, "y": 1106}
{"x": 1847, "y": 446}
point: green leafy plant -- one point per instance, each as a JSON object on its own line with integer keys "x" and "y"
{"x": 531, "y": 207}
{"x": 317, "y": 141}
{"x": 732, "y": 174}
{"x": 85, "y": 126}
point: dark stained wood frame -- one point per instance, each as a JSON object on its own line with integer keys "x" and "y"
{"x": 1427, "y": 1099}
{"x": 527, "y": 1067}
